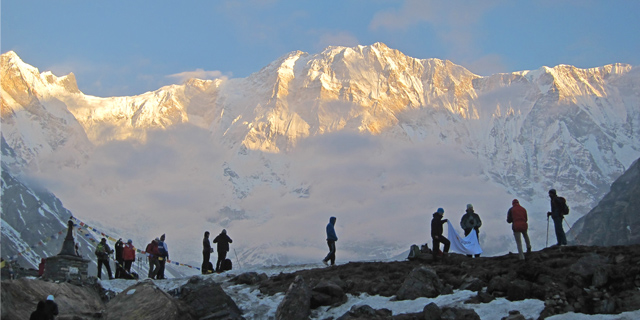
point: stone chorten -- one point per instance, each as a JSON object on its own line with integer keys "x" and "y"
{"x": 68, "y": 265}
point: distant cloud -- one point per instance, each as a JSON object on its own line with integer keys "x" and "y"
{"x": 198, "y": 74}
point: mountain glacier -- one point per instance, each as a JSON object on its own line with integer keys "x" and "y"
{"x": 366, "y": 132}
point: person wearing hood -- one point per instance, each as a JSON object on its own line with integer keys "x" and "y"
{"x": 331, "y": 242}
{"x": 222, "y": 240}
{"x": 50, "y": 308}
{"x": 436, "y": 234}
{"x": 471, "y": 221}
{"x": 517, "y": 216}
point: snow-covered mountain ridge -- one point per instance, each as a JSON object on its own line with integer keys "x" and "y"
{"x": 564, "y": 127}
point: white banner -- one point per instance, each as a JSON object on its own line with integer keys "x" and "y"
{"x": 466, "y": 245}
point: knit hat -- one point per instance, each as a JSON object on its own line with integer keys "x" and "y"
{"x": 552, "y": 191}
{"x": 440, "y": 210}
{"x": 103, "y": 240}
{"x": 50, "y": 297}
{"x": 515, "y": 201}
{"x": 129, "y": 241}
{"x": 224, "y": 231}
{"x": 469, "y": 206}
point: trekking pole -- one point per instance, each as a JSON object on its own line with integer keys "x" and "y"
{"x": 565, "y": 221}
{"x": 234, "y": 252}
{"x": 547, "y": 244}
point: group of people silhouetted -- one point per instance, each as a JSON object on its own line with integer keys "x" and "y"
{"x": 516, "y": 216}
{"x": 222, "y": 241}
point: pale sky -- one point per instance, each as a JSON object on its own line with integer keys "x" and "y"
{"x": 120, "y": 48}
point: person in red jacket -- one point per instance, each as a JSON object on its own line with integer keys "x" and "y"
{"x": 517, "y": 216}
{"x": 129, "y": 255}
{"x": 153, "y": 253}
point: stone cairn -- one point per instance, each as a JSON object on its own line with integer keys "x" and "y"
{"x": 67, "y": 265}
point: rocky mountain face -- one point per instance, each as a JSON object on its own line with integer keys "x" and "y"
{"x": 615, "y": 220}
{"x": 580, "y": 279}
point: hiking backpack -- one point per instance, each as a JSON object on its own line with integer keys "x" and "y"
{"x": 564, "y": 209}
{"x": 414, "y": 252}
{"x": 99, "y": 250}
{"x": 226, "y": 265}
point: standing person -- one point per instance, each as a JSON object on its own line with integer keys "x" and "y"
{"x": 102, "y": 252}
{"x": 223, "y": 241}
{"x": 206, "y": 253}
{"x": 517, "y": 216}
{"x": 50, "y": 308}
{"x": 163, "y": 251}
{"x": 129, "y": 255}
{"x": 436, "y": 234}
{"x": 558, "y": 208}
{"x": 119, "y": 259}
{"x": 152, "y": 255}
{"x": 331, "y": 242}
{"x": 471, "y": 221}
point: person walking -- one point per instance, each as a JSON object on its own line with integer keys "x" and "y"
{"x": 39, "y": 313}
{"x": 331, "y": 242}
{"x": 206, "y": 254}
{"x": 119, "y": 259}
{"x": 223, "y": 241}
{"x": 152, "y": 255}
{"x": 102, "y": 252}
{"x": 471, "y": 221}
{"x": 558, "y": 209}
{"x": 163, "y": 251}
{"x": 517, "y": 216}
{"x": 436, "y": 234}
{"x": 129, "y": 255}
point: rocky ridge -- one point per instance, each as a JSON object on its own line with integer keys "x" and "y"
{"x": 590, "y": 280}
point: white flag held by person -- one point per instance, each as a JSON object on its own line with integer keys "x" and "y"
{"x": 466, "y": 245}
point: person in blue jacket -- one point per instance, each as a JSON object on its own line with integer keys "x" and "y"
{"x": 331, "y": 242}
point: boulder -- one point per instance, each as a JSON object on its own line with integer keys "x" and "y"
{"x": 587, "y": 265}
{"x": 206, "y": 300}
{"x": 250, "y": 278}
{"x": 296, "y": 304}
{"x": 514, "y": 315}
{"x": 145, "y": 300}
{"x": 431, "y": 312}
{"x": 327, "y": 293}
{"x": 421, "y": 282}
{"x": 518, "y": 290}
{"x": 459, "y": 314}
{"x": 498, "y": 286}
{"x": 365, "y": 312}
{"x": 472, "y": 284}
{"x": 20, "y": 298}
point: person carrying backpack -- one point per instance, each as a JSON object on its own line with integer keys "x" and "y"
{"x": 129, "y": 256}
{"x": 223, "y": 241}
{"x": 517, "y": 216}
{"x": 152, "y": 255}
{"x": 206, "y": 253}
{"x": 471, "y": 221}
{"x": 50, "y": 308}
{"x": 558, "y": 210}
{"x": 102, "y": 253}
{"x": 163, "y": 251}
{"x": 436, "y": 234}
{"x": 331, "y": 242}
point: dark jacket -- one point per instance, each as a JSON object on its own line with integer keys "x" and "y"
{"x": 223, "y": 241}
{"x": 119, "y": 255}
{"x": 331, "y": 231}
{"x": 518, "y": 216}
{"x": 436, "y": 225}
{"x": 104, "y": 253}
{"x": 206, "y": 245}
{"x": 50, "y": 309}
{"x": 39, "y": 314}
{"x": 556, "y": 205}
{"x": 470, "y": 220}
